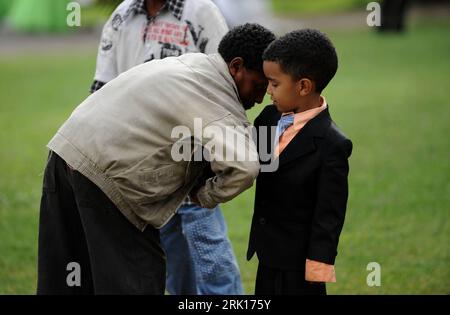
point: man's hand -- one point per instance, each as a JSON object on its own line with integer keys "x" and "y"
{"x": 194, "y": 199}
{"x": 201, "y": 181}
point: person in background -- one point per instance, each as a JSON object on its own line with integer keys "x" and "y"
{"x": 238, "y": 12}
{"x": 139, "y": 31}
{"x": 393, "y": 14}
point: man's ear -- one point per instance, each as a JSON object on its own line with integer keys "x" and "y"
{"x": 305, "y": 87}
{"x": 235, "y": 66}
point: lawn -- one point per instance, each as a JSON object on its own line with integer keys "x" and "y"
{"x": 311, "y": 7}
{"x": 389, "y": 96}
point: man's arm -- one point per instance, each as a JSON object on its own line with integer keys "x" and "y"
{"x": 211, "y": 27}
{"x": 234, "y": 161}
{"x": 106, "y": 68}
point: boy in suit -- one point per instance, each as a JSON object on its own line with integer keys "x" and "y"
{"x": 300, "y": 207}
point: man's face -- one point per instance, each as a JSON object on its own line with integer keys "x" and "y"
{"x": 251, "y": 84}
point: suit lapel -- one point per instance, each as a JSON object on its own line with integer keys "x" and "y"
{"x": 269, "y": 137}
{"x": 303, "y": 142}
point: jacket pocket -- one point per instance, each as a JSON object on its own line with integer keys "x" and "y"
{"x": 159, "y": 175}
{"x": 161, "y": 182}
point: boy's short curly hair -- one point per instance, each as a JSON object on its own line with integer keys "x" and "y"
{"x": 247, "y": 41}
{"x": 305, "y": 53}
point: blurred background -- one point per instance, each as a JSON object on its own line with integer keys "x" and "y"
{"x": 389, "y": 96}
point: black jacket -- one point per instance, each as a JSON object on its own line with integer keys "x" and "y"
{"x": 300, "y": 208}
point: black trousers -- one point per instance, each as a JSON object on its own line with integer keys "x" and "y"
{"x": 270, "y": 281}
{"x": 86, "y": 245}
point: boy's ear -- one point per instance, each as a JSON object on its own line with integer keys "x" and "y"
{"x": 235, "y": 66}
{"x": 305, "y": 87}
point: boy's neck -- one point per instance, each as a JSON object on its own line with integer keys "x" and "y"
{"x": 309, "y": 102}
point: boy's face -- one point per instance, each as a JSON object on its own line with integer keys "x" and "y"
{"x": 283, "y": 90}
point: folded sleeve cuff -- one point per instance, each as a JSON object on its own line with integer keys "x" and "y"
{"x": 319, "y": 272}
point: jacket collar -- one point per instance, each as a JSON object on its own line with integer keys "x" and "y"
{"x": 222, "y": 67}
{"x": 303, "y": 142}
{"x": 174, "y": 6}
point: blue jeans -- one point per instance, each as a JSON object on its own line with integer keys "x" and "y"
{"x": 200, "y": 258}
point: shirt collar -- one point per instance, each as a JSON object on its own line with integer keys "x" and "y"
{"x": 174, "y": 6}
{"x": 300, "y": 119}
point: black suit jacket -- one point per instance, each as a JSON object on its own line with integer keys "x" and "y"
{"x": 300, "y": 208}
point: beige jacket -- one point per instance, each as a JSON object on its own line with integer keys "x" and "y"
{"x": 121, "y": 137}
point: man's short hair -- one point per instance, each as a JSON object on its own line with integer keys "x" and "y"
{"x": 247, "y": 41}
{"x": 305, "y": 53}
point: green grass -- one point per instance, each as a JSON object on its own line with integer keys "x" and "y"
{"x": 389, "y": 96}
{"x": 37, "y": 94}
{"x": 294, "y": 7}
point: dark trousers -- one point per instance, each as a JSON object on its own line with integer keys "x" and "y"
{"x": 270, "y": 281}
{"x": 86, "y": 245}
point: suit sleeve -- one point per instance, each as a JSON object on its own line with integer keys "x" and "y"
{"x": 329, "y": 214}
